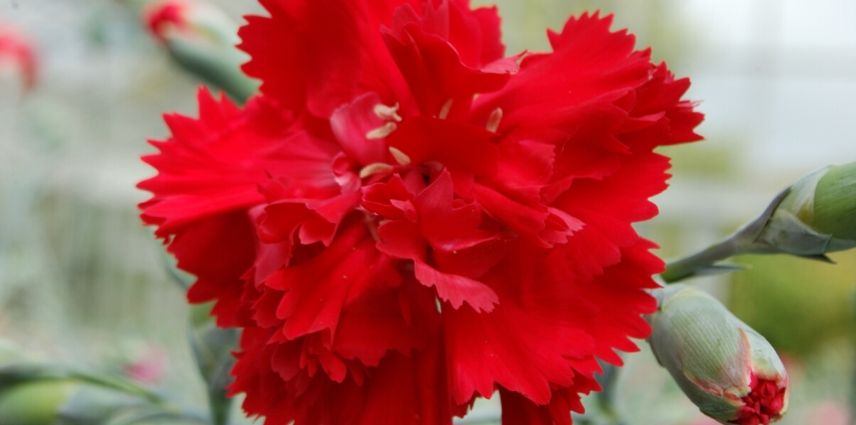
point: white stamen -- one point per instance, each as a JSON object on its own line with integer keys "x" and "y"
{"x": 375, "y": 168}
{"x": 445, "y": 109}
{"x": 382, "y": 131}
{"x": 438, "y": 304}
{"x": 494, "y": 120}
{"x": 386, "y": 112}
{"x": 400, "y": 157}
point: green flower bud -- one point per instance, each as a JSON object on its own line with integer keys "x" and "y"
{"x": 815, "y": 216}
{"x": 35, "y": 403}
{"x": 726, "y": 368}
{"x": 834, "y": 204}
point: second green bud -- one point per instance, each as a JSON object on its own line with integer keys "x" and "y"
{"x": 723, "y": 366}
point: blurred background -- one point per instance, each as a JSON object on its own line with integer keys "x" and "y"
{"x": 82, "y": 282}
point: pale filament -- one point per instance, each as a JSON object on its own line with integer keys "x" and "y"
{"x": 494, "y": 120}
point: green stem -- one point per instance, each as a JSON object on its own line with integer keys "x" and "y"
{"x": 704, "y": 260}
{"x": 744, "y": 241}
{"x": 220, "y": 407}
{"x": 212, "y": 348}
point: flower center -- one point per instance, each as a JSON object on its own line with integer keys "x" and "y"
{"x": 389, "y": 114}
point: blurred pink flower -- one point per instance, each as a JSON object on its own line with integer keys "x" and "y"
{"x": 829, "y": 413}
{"x": 149, "y": 367}
{"x": 18, "y": 52}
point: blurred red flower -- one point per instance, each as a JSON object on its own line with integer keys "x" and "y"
{"x": 405, "y": 219}
{"x": 188, "y": 19}
{"x": 164, "y": 16}
{"x": 17, "y": 51}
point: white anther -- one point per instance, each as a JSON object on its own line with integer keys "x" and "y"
{"x": 382, "y": 131}
{"x": 386, "y": 112}
{"x": 400, "y": 157}
{"x": 445, "y": 109}
{"x": 494, "y": 120}
{"x": 375, "y": 168}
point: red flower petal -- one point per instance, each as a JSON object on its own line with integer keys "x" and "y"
{"x": 508, "y": 361}
{"x": 320, "y": 54}
{"x": 316, "y": 290}
{"x": 475, "y": 33}
{"x": 402, "y": 240}
{"x": 199, "y": 250}
{"x": 353, "y": 123}
{"x": 452, "y": 144}
{"x": 426, "y": 55}
{"x": 545, "y": 226}
{"x": 551, "y": 88}
{"x": 215, "y": 164}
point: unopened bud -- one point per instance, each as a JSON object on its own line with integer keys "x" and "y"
{"x": 834, "y": 206}
{"x": 817, "y": 215}
{"x": 726, "y": 368}
{"x": 168, "y": 19}
{"x": 201, "y": 39}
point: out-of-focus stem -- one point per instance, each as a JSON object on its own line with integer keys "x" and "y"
{"x": 606, "y": 398}
{"x": 220, "y": 410}
{"x": 212, "y": 348}
{"x": 118, "y": 384}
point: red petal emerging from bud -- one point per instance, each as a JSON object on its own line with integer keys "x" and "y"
{"x": 764, "y": 404}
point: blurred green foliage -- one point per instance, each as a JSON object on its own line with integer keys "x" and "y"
{"x": 799, "y": 305}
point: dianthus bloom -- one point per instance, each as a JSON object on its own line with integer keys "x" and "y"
{"x": 406, "y": 219}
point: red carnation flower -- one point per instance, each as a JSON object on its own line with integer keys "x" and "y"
{"x": 405, "y": 219}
